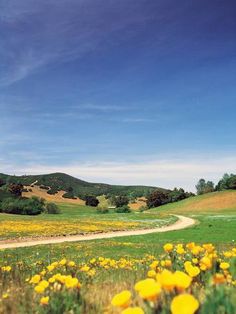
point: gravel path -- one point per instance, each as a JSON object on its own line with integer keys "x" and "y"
{"x": 182, "y": 223}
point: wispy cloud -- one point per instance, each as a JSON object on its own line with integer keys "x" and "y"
{"x": 54, "y": 32}
{"x": 164, "y": 172}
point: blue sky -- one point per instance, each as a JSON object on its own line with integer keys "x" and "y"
{"x": 132, "y": 92}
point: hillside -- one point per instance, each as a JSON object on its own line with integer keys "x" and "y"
{"x": 63, "y": 182}
{"x": 215, "y": 202}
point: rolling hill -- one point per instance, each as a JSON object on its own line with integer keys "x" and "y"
{"x": 63, "y": 182}
{"x": 210, "y": 203}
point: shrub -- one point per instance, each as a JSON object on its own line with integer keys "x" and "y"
{"x": 102, "y": 210}
{"x": 52, "y": 191}
{"x": 23, "y": 206}
{"x": 123, "y": 209}
{"x": 91, "y": 201}
{"x": 143, "y": 208}
{"x": 44, "y": 187}
{"x": 15, "y": 189}
{"x": 69, "y": 195}
{"x": 2, "y": 182}
{"x": 157, "y": 198}
{"x": 52, "y": 208}
{"x": 120, "y": 201}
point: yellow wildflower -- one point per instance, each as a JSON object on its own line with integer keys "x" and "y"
{"x": 122, "y": 299}
{"x": 35, "y": 279}
{"x": 182, "y": 280}
{"x": 224, "y": 265}
{"x": 168, "y": 247}
{"x": 133, "y": 310}
{"x": 184, "y": 304}
{"x": 44, "y": 300}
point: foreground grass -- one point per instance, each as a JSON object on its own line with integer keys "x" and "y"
{"x": 64, "y": 279}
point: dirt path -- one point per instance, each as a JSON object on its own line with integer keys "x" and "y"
{"x": 182, "y": 223}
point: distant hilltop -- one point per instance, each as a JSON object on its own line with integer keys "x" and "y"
{"x": 55, "y": 182}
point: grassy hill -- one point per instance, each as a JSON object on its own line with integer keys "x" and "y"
{"x": 61, "y": 181}
{"x": 215, "y": 202}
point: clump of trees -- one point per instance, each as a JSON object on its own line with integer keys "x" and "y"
{"x": 27, "y": 206}
{"x": 23, "y": 206}
{"x": 204, "y": 187}
{"x": 159, "y": 197}
{"x": 91, "y": 201}
{"x": 227, "y": 182}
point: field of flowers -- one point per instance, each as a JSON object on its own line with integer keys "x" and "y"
{"x": 183, "y": 279}
{"x": 75, "y": 219}
{"x": 22, "y": 228}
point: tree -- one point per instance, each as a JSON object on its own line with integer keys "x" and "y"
{"x": 203, "y": 187}
{"x": 52, "y": 208}
{"x": 177, "y": 195}
{"x": 91, "y": 201}
{"x": 227, "y": 182}
{"x": 158, "y": 198}
{"x": 120, "y": 201}
{"x": 2, "y": 182}
{"x": 16, "y": 189}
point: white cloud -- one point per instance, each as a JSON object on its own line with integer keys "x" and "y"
{"x": 164, "y": 173}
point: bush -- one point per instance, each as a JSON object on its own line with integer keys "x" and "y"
{"x": 44, "y": 187}
{"x": 52, "y": 208}
{"x": 69, "y": 195}
{"x": 91, "y": 201}
{"x": 23, "y": 206}
{"x": 102, "y": 210}
{"x": 143, "y": 208}
{"x": 52, "y": 191}
{"x": 15, "y": 189}
{"x": 120, "y": 201}
{"x": 158, "y": 198}
{"x": 123, "y": 209}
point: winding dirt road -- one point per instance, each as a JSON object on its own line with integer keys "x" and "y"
{"x": 182, "y": 223}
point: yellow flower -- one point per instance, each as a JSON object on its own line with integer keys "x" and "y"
{"x": 133, "y": 310}
{"x": 168, "y": 263}
{"x": 154, "y": 265}
{"x": 85, "y": 268}
{"x": 205, "y": 263}
{"x": 150, "y": 291}
{"x": 182, "y": 280}
{"x": 6, "y": 269}
{"x": 166, "y": 279}
{"x": 71, "y": 282}
{"x": 62, "y": 262}
{"x": 184, "y": 304}
{"x": 179, "y": 249}
{"x": 192, "y": 271}
{"x": 71, "y": 264}
{"x": 122, "y": 299}
{"x": 39, "y": 289}
{"x": 218, "y": 279}
{"x": 224, "y": 265}
{"x": 142, "y": 283}
{"x": 5, "y": 296}
{"x": 50, "y": 267}
{"x": 35, "y": 279}
{"x": 168, "y": 247}
{"x": 151, "y": 273}
{"x": 44, "y": 300}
